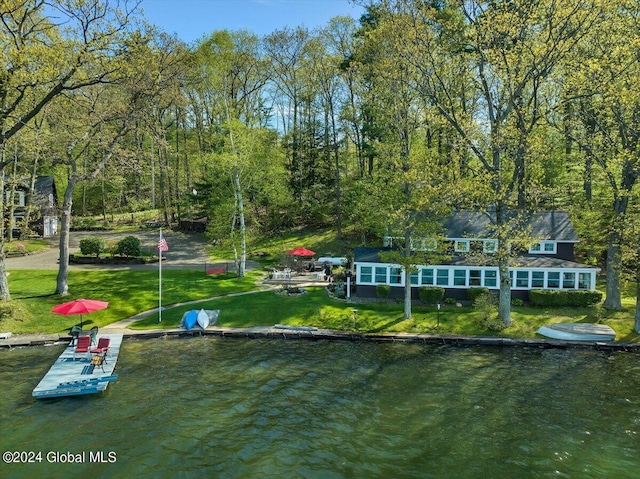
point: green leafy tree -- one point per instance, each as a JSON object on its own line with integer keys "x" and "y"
{"x": 39, "y": 63}
{"x": 500, "y": 55}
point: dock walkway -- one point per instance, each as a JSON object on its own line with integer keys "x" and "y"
{"x": 73, "y": 377}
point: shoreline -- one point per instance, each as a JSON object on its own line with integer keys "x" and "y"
{"x": 312, "y": 334}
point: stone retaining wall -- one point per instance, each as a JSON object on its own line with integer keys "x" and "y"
{"x": 333, "y": 335}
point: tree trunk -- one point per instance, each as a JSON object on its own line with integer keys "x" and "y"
{"x": 637, "y": 322}
{"x": 504, "y": 302}
{"x": 407, "y": 293}
{"x": 243, "y": 231}
{"x": 336, "y": 154}
{"x": 614, "y": 258}
{"x": 4, "y": 283}
{"x": 62, "y": 285}
{"x": 504, "y": 306}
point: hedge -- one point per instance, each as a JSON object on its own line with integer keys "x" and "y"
{"x": 383, "y": 290}
{"x": 572, "y": 297}
{"x": 474, "y": 293}
{"x": 430, "y": 294}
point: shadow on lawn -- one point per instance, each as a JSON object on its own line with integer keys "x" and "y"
{"x": 387, "y": 325}
{"x": 49, "y": 295}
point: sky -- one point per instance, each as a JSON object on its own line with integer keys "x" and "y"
{"x": 191, "y": 19}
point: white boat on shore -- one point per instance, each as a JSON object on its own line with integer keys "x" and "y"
{"x": 578, "y": 332}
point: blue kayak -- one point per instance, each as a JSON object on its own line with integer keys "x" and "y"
{"x": 190, "y": 319}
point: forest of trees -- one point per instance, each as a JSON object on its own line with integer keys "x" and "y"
{"x": 366, "y": 125}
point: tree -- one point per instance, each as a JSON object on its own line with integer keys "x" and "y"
{"x": 104, "y": 115}
{"x": 39, "y": 63}
{"x": 601, "y": 88}
{"x": 505, "y": 52}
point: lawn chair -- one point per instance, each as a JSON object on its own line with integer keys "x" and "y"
{"x": 75, "y": 332}
{"x": 102, "y": 349}
{"x": 83, "y": 346}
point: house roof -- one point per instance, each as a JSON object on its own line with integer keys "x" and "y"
{"x": 44, "y": 183}
{"x": 364, "y": 254}
{"x": 552, "y": 225}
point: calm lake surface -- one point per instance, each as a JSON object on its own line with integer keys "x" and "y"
{"x": 229, "y": 408}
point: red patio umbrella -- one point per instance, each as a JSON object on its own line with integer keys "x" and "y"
{"x": 79, "y": 306}
{"x": 301, "y": 252}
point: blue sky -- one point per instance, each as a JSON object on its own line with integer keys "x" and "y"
{"x": 191, "y": 19}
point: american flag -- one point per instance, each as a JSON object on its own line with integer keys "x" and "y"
{"x": 162, "y": 244}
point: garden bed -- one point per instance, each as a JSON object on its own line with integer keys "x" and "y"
{"x": 79, "y": 259}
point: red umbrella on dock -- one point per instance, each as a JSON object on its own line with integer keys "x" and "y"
{"x": 79, "y": 306}
{"x": 301, "y": 252}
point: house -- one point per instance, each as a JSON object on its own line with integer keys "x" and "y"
{"x": 548, "y": 264}
{"x": 43, "y": 199}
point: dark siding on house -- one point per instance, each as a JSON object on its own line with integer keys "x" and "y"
{"x": 369, "y": 291}
{"x": 565, "y": 251}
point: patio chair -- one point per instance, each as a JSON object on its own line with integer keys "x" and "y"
{"x": 83, "y": 346}
{"x": 93, "y": 334}
{"x": 74, "y": 333}
{"x": 102, "y": 349}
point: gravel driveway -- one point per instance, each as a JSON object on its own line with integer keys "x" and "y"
{"x": 186, "y": 251}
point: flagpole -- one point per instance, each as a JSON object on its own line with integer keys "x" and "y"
{"x": 160, "y": 279}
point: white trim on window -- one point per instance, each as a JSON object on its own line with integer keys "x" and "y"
{"x": 544, "y": 247}
{"x": 461, "y": 245}
{"x": 490, "y": 246}
{"x": 522, "y": 278}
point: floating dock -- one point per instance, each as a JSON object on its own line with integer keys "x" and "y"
{"x": 74, "y": 377}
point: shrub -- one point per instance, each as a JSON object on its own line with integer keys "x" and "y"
{"x": 92, "y": 245}
{"x": 517, "y": 302}
{"x": 557, "y": 298}
{"x": 129, "y": 246}
{"x": 474, "y": 293}
{"x": 489, "y": 319}
{"x": 449, "y": 301}
{"x": 430, "y": 294}
{"x": 383, "y": 290}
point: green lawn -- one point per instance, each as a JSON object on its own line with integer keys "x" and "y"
{"x": 316, "y": 308}
{"x": 128, "y": 293}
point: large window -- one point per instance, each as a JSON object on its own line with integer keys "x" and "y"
{"x": 442, "y": 276}
{"x": 490, "y": 278}
{"x": 537, "y": 279}
{"x": 553, "y": 279}
{"x": 475, "y": 277}
{"x": 522, "y": 279}
{"x": 568, "y": 280}
{"x": 584, "y": 280}
{"x": 381, "y": 274}
{"x": 395, "y": 275}
{"x": 427, "y": 276}
{"x": 366, "y": 274}
{"x": 459, "y": 277}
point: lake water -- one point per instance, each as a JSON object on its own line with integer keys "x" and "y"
{"x": 229, "y": 408}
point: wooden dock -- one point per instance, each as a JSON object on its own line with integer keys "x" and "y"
{"x": 74, "y": 377}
